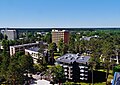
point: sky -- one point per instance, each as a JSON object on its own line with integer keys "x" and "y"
{"x": 60, "y": 13}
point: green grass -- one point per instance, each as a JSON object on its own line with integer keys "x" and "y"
{"x": 110, "y": 76}
{"x": 103, "y": 83}
{"x": 72, "y": 83}
{"x": 110, "y": 71}
{"x": 55, "y": 57}
{"x": 57, "y": 54}
{"x": 49, "y": 66}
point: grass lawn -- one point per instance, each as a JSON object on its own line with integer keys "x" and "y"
{"x": 103, "y": 83}
{"x": 55, "y": 57}
{"x": 110, "y": 76}
{"x": 49, "y": 66}
{"x": 110, "y": 71}
{"x": 72, "y": 83}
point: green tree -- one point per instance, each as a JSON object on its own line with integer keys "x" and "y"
{"x": 116, "y": 69}
{"x": 63, "y": 47}
{"x": 5, "y": 44}
{"x": 52, "y": 46}
{"x": 4, "y": 64}
{"x": 5, "y": 37}
{"x": 92, "y": 65}
{"x": 1, "y": 36}
{"x": 39, "y": 67}
{"x": 60, "y": 45}
{"x": 15, "y": 73}
{"x": 107, "y": 51}
{"x": 11, "y": 42}
{"x": 13, "y": 68}
{"x": 72, "y": 43}
{"x": 58, "y": 73}
{"x": 48, "y": 38}
{"x": 26, "y": 63}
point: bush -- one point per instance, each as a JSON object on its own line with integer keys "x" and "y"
{"x": 39, "y": 68}
{"x": 116, "y": 69}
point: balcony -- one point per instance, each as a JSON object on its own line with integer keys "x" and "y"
{"x": 86, "y": 71}
{"x": 65, "y": 66}
{"x": 81, "y": 67}
{"x": 66, "y": 73}
{"x": 82, "y": 78}
{"x": 82, "y": 70}
{"x": 65, "y": 69}
{"x": 82, "y": 74}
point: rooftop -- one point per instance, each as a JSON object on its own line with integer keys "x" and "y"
{"x": 59, "y": 30}
{"x": 24, "y": 45}
{"x": 36, "y": 49}
{"x": 70, "y": 58}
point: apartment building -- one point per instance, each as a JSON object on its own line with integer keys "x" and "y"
{"x": 21, "y": 48}
{"x": 75, "y": 66}
{"x": 11, "y": 34}
{"x": 60, "y": 34}
{"x": 36, "y": 55}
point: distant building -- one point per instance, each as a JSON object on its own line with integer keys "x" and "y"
{"x": 36, "y": 55}
{"x": 75, "y": 66}
{"x": 88, "y": 38}
{"x": 11, "y": 34}
{"x": 21, "y": 48}
{"x": 60, "y": 34}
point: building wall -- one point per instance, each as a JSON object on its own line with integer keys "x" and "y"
{"x": 35, "y": 55}
{"x": 21, "y": 48}
{"x": 11, "y": 34}
{"x": 57, "y": 35}
{"x": 66, "y": 37}
{"x": 76, "y": 72}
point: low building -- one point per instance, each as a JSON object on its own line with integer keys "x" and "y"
{"x": 88, "y": 38}
{"x": 75, "y": 66}
{"x": 21, "y": 48}
{"x": 36, "y": 55}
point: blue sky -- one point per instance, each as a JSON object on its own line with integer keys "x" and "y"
{"x": 59, "y": 13}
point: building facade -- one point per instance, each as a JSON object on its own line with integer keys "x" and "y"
{"x": 60, "y": 34}
{"x": 11, "y": 34}
{"x": 36, "y": 55}
{"x": 75, "y": 66}
{"x": 21, "y": 48}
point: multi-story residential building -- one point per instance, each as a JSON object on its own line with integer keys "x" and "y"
{"x": 116, "y": 79}
{"x": 60, "y": 34}
{"x": 36, "y": 55}
{"x": 75, "y": 66}
{"x": 11, "y": 34}
{"x": 21, "y": 48}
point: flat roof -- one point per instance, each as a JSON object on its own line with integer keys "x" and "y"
{"x": 36, "y": 49}
{"x": 70, "y": 58}
{"x": 25, "y": 45}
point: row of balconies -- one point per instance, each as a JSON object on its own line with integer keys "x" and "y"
{"x": 82, "y": 78}
{"x": 83, "y": 74}
{"x": 68, "y": 72}
{"x": 65, "y": 66}
{"x": 85, "y": 71}
{"x": 83, "y": 67}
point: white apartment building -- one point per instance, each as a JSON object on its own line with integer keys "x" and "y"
{"x": 11, "y": 34}
{"x": 34, "y": 53}
{"x": 21, "y": 48}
